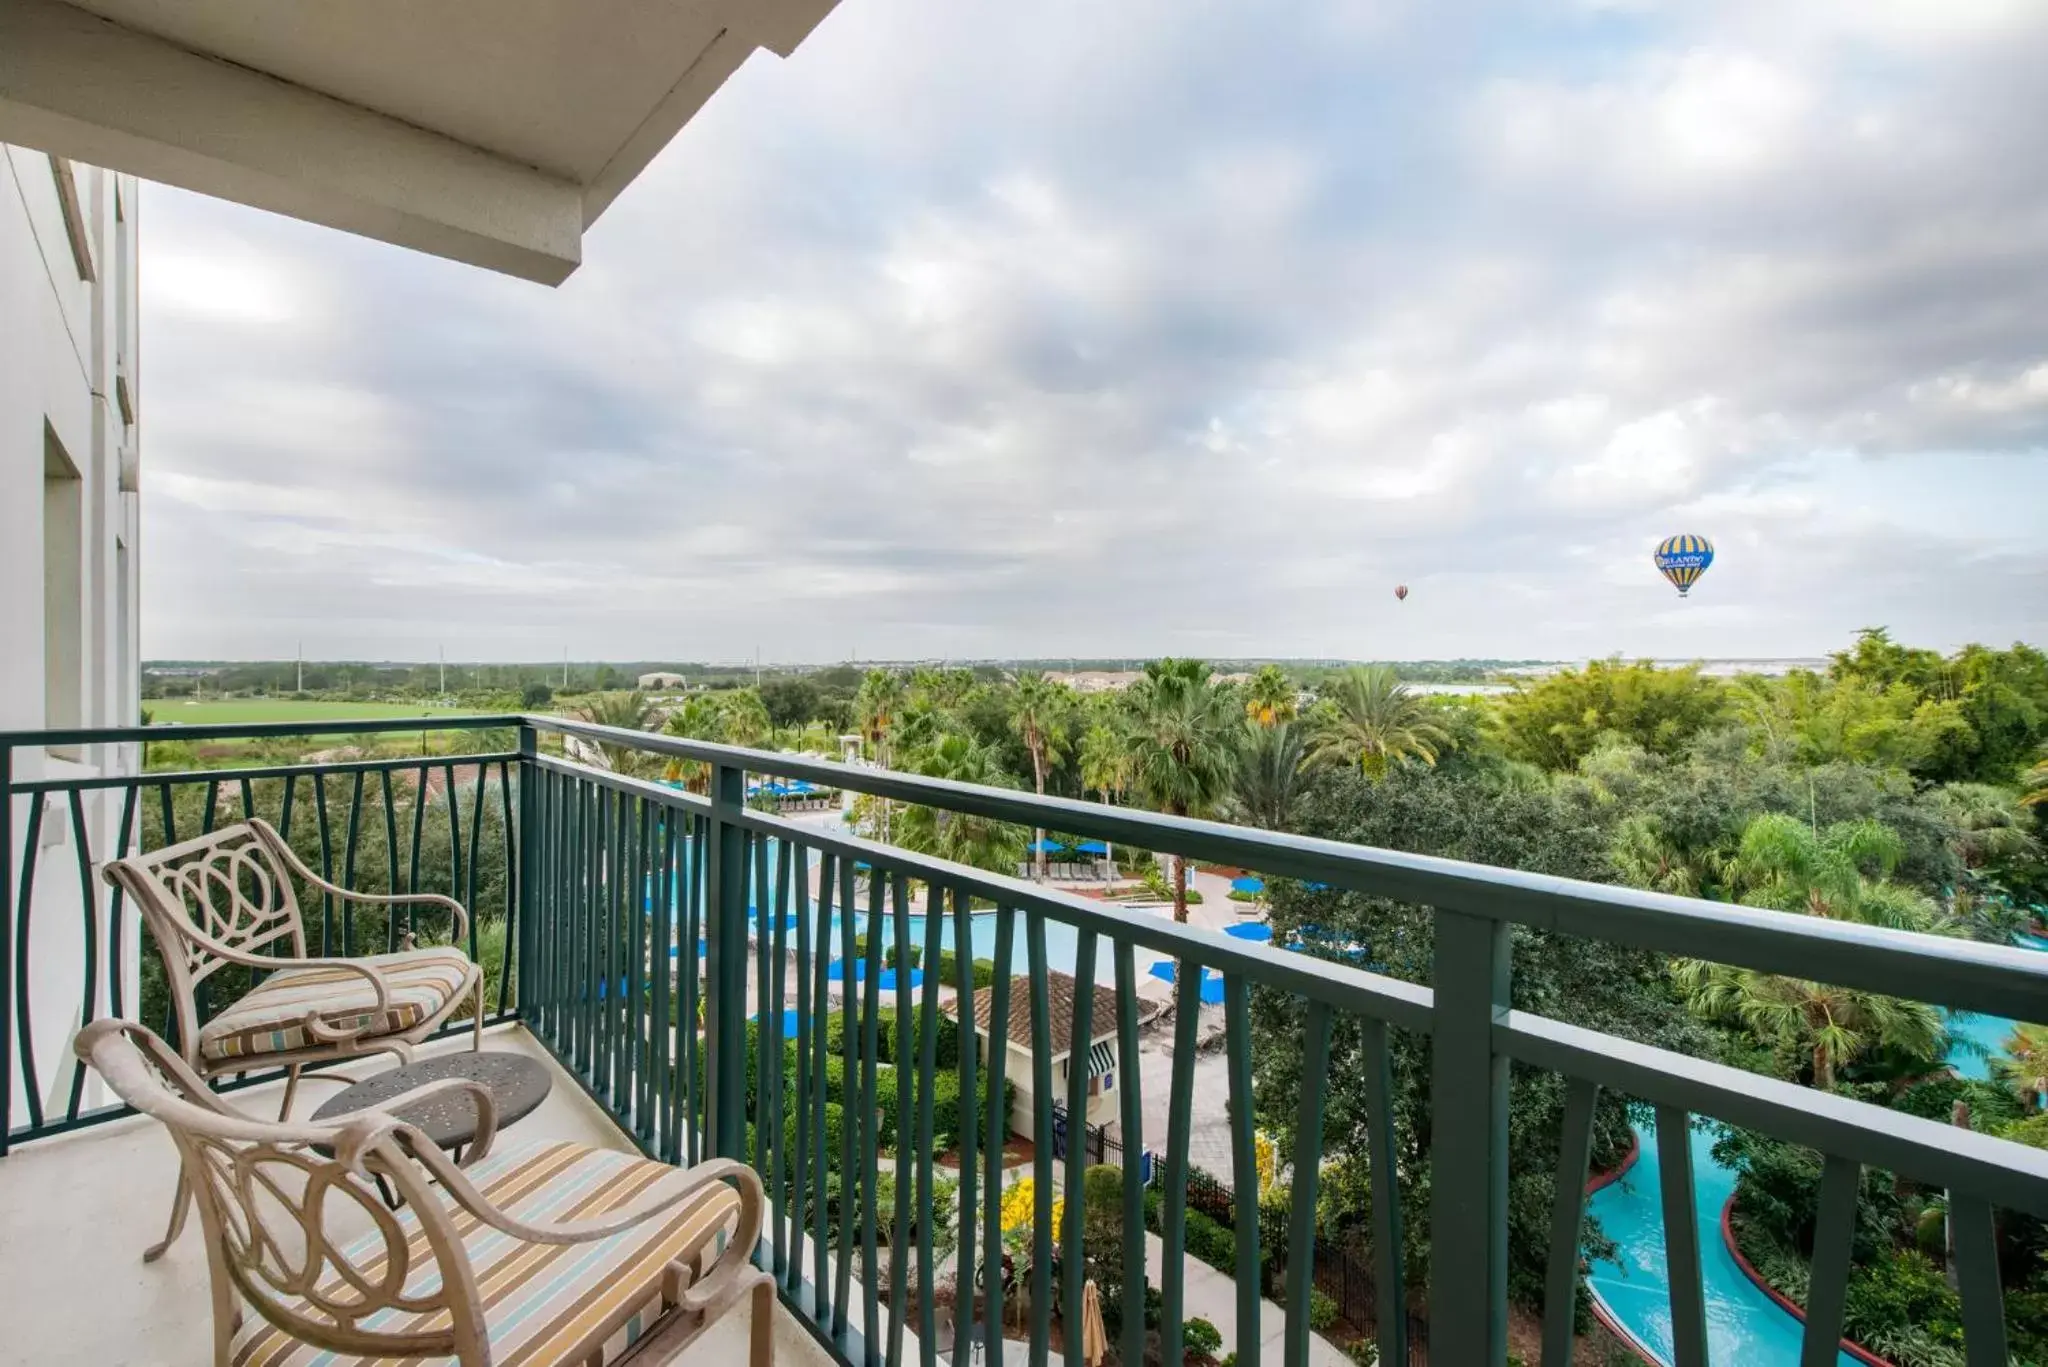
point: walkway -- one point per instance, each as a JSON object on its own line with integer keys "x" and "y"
{"x": 1212, "y": 1295}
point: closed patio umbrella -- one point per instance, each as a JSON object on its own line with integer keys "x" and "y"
{"x": 1094, "y": 1338}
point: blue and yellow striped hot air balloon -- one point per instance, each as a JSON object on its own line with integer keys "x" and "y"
{"x": 1683, "y": 559}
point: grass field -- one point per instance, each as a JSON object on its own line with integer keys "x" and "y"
{"x": 219, "y": 710}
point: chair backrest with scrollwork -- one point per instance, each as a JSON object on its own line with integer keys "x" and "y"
{"x": 228, "y": 888}
{"x": 271, "y": 1196}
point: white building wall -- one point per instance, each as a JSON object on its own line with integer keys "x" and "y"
{"x": 70, "y": 392}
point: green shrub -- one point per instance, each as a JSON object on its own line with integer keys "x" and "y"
{"x": 1322, "y": 1311}
{"x": 1903, "y": 1291}
{"x": 1200, "y": 1338}
{"x": 1213, "y": 1243}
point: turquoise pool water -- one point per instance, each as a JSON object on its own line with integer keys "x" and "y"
{"x": 1744, "y": 1326}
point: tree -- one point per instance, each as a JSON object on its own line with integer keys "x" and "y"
{"x": 1105, "y": 761}
{"x": 878, "y": 704}
{"x": 627, "y": 712}
{"x": 1556, "y": 721}
{"x": 1268, "y": 780}
{"x": 1826, "y": 1027}
{"x": 1841, "y": 872}
{"x": 1586, "y": 983}
{"x": 535, "y": 696}
{"x": 790, "y": 702}
{"x": 1376, "y": 723}
{"x": 2037, "y": 784}
{"x": 744, "y": 717}
{"x": 1270, "y": 699}
{"x": 2024, "y": 1064}
{"x": 1183, "y": 746}
{"x": 982, "y": 842}
{"x": 1038, "y": 714}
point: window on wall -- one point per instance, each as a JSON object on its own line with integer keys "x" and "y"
{"x": 63, "y": 587}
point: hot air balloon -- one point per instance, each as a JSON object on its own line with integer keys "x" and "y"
{"x": 1401, "y": 592}
{"x": 1683, "y": 559}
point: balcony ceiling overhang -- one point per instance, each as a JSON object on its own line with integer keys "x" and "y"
{"x": 488, "y": 131}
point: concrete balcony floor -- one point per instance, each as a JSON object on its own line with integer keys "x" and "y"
{"x": 77, "y": 1211}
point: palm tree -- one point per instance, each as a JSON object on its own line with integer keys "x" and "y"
{"x": 1842, "y": 872}
{"x": 1377, "y": 723}
{"x": 1038, "y": 714}
{"x": 1269, "y": 775}
{"x": 745, "y": 718}
{"x": 1270, "y": 698}
{"x": 2023, "y": 1066}
{"x": 701, "y": 717}
{"x": 2036, "y": 784}
{"x": 1828, "y": 1027}
{"x": 878, "y": 704}
{"x": 1990, "y": 822}
{"x": 979, "y": 841}
{"x": 1646, "y": 857}
{"x": 1183, "y": 746}
{"x": 627, "y": 712}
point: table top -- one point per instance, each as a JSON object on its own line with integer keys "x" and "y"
{"x": 517, "y": 1083}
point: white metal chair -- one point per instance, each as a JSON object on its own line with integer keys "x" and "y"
{"x": 542, "y": 1254}
{"x": 228, "y": 898}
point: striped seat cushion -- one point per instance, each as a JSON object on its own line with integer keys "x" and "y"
{"x": 271, "y": 1019}
{"x": 541, "y": 1302}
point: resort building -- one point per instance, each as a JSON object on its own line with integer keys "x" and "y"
{"x": 1098, "y": 1055}
{"x": 70, "y": 462}
{"x": 660, "y": 681}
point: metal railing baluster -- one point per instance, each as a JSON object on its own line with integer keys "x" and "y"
{"x": 1237, "y": 1048}
{"x": 1834, "y": 1237}
{"x": 1131, "y": 1121}
{"x": 1976, "y": 1254}
{"x": 1383, "y": 1161}
{"x": 1041, "y": 1140}
{"x": 1173, "y": 1207}
{"x": 998, "y": 1127}
{"x": 1681, "y": 1238}
{"x": 1567, "y": 1216}
{"x": 927, "y": 1079}
{"x": 1073, "y": 1237}
{"x": 1308, "y": 1158}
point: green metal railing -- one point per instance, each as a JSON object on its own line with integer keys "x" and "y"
{"x": 364, "y": 824}
{"x": 642, "y": 910}
{"x": 1474, "y": 1036}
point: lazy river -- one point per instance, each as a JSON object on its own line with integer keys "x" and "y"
{"x": 1744, "y": 1326}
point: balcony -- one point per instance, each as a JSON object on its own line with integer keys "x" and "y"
{"x": 673, "y": 951}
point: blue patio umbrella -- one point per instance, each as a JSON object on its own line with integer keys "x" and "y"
{"x": 1046, "y": 846}
{"x": 788, "y": 1022}
{"x": 1212, "y": 982}
{"x": 836, "y": 972}
{"x": 1250, "y": 886}
{"x": 1091, "y": 847}
{"x": 1256, "y": 931}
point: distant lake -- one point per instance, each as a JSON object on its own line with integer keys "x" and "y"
{"x": 1462, "y": 689}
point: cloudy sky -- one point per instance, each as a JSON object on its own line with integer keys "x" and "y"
{"x": 1163, "y": 325}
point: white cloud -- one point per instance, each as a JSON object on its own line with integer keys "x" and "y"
{"x": 958, "y": 333}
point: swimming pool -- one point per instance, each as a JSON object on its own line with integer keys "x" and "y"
{"x": 1744, "y": 1326}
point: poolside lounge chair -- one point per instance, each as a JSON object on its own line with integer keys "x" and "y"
{"x": 541, "y": 1253}
{"x": 228, "y": 898}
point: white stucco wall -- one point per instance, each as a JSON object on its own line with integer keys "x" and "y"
{"x": 68, "y": 348}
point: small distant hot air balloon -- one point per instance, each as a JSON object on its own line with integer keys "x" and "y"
{"x": 1401, "y": 592}
{"x": 1683, "y": 559}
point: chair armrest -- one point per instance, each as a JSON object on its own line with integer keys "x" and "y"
{"x": 458, "y": 913}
